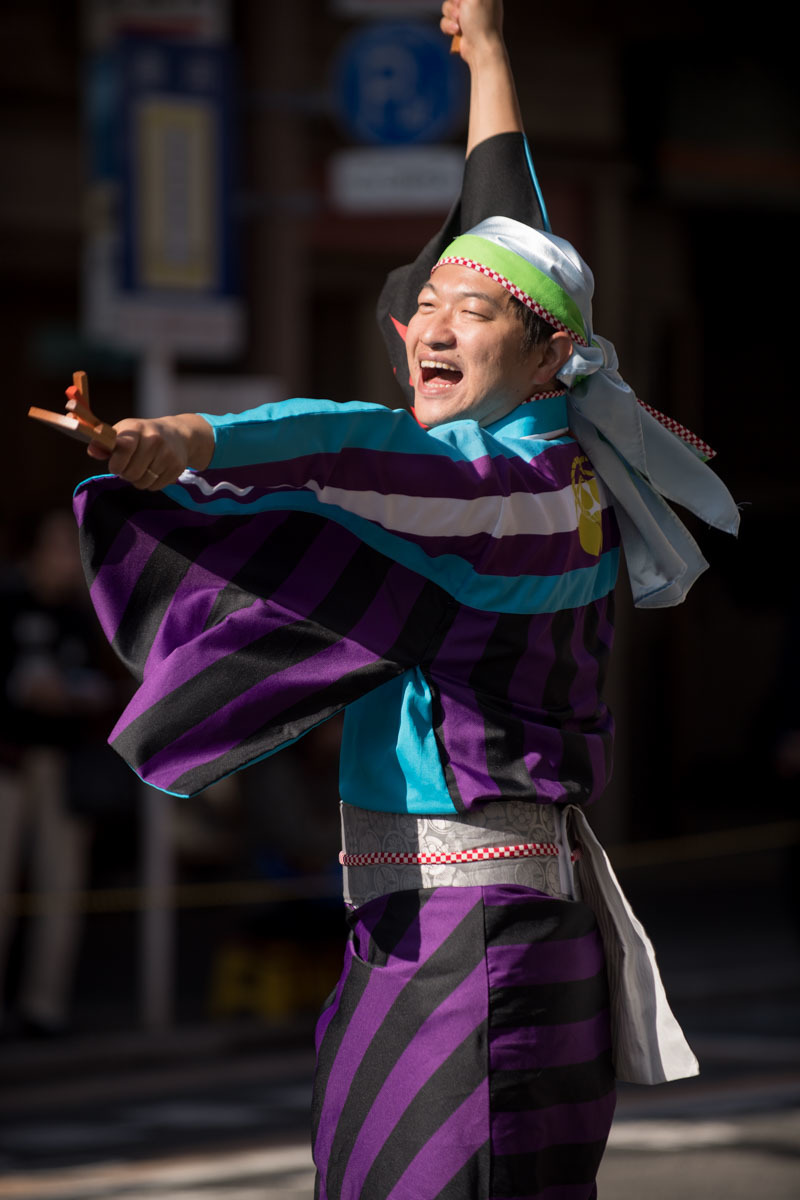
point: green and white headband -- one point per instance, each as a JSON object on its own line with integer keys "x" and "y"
{"x": 503, "y": 258}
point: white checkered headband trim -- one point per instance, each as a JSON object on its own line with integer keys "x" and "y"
{"x": 686, "y": 435}
{"x": 515, "y": 291}
{"x": 479, "y": 854}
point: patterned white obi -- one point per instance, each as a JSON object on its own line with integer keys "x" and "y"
{"x": 508, "y": 841}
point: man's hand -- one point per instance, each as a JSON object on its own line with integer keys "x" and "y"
{"x": 479, "y": 24}
{"x": 151, "y": 454}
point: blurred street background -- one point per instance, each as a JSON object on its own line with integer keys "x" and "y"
{"x": 201, "y": 201}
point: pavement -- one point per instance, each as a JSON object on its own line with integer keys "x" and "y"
{"x": 220, "y": 1110}
{"x": 244, "y": 1140}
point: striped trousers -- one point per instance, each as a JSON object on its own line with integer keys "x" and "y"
{"x": 465, "y": 1053}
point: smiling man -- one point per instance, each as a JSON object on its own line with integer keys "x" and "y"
{"x": 448, "y": 582}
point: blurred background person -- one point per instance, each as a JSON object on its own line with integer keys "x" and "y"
{"x": 52, "y": 688}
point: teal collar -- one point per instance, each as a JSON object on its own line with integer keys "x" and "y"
{"x": 534, "y": 418}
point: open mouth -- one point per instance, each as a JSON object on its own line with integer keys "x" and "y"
{"x": 439, "y": 374}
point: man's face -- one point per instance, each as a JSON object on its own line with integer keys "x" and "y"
{"x": 464, "y": 346}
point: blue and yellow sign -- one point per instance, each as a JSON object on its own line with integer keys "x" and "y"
{"x": 176, "y": 170}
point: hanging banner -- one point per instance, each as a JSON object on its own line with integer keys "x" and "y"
{"x": 176, "y": 177}
{"x": 160, "y": 266}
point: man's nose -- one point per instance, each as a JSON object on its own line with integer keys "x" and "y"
{"x": 438, "y": 329}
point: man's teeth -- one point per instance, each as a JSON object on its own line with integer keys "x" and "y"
{"x": 437, "y": 366}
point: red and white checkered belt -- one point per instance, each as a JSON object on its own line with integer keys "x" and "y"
{"x": 479, "y": 854}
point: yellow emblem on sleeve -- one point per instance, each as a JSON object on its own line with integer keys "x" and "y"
{"x": 587, "y": 505}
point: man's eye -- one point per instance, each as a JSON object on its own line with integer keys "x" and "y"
{"x": 472, "y": 312}
{"x": 424, "y": 305}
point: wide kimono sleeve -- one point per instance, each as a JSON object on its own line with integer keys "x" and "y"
{"x": 499, "y": 181}
{"x": 257, "y": 599}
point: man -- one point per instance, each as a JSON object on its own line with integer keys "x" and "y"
{"x": 447, "y": 580}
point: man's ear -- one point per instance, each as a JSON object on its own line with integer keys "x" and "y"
{"x": 550, "y": 357}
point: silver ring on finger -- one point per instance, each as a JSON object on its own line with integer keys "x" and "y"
{"x": 150, "y": 475}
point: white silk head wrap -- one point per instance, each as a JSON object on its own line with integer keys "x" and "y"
{"x": 641, "y": 463}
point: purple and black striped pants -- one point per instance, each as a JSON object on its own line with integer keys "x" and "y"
{"x": 465, "y": 1054}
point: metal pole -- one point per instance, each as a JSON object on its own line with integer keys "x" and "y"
{"x": 157, "y": 921}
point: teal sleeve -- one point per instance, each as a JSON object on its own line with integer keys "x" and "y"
{"x": 297, "y": 428}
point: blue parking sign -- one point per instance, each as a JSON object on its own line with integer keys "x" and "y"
{"x": 397, "y": 84}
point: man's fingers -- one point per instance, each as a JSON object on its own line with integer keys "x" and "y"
{"x": 449, "y": 20}
{"x": 158, "y": 476}
{"x": 123, "y": 458}
{"x": 144, "y": 459}
{"x": 476, "y": 19}
{"x": 145, "y": 478}
{"x": 149, "y": 482}
{"x": 134, "y": 458}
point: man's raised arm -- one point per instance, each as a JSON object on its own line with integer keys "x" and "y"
{"x": 494, "y": 107}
